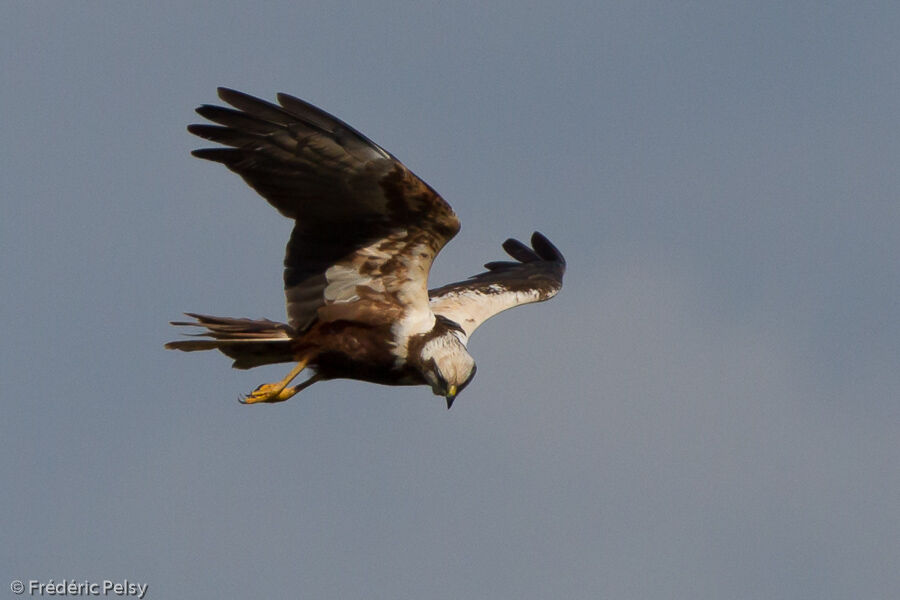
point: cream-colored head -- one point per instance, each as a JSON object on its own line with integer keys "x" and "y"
{"x": 447, "y": 365}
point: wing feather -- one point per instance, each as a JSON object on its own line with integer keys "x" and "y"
{"x": 367, "y": 229}
{"x": 535, "y": 276}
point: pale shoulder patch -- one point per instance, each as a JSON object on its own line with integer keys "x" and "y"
{"x": 412, "y": 323}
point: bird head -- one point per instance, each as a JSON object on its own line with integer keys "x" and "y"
{"x": 446, "y": 364}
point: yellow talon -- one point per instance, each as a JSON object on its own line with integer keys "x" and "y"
{"x": 277, "y": 392}
{"x": 268, "y": 392}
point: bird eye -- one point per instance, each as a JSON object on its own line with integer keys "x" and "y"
{"x": 442, "y": 383}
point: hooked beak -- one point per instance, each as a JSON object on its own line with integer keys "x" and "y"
{"x": 451, "y": 395}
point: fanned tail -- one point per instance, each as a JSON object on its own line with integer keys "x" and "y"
{"x": 249, "y": 342}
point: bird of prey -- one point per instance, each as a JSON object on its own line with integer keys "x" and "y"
{"x": 366, "y": 230}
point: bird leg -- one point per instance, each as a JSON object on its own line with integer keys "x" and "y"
{"x": 279, "y": 392}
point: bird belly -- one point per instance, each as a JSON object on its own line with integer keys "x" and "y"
{"x": 347, "y": 350}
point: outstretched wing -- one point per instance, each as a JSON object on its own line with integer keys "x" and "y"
{"x": 367, "y": 229}
{"x": 535, "y": 276}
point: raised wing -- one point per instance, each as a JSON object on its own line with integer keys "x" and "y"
{"x": 535, "y": 276}
{"x": 367, "y": 229}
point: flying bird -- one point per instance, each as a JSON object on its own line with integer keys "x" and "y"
{"x": 366, "y": 230}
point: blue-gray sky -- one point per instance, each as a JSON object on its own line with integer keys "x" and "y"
{"x": 709, "y": 409}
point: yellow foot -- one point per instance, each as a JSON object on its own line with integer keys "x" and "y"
{"x": 277, "y": 392}
{"x": 268, "y": 392}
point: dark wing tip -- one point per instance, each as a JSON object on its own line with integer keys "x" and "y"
{"x": 207, "y": 132}
{"x": 545, "y": 248}
{"x": 288, "y": 102}
{"x": 223, "y": 155}
{"x": 520, "y": 251}
{"x": 232, "y": 96}
{"x": 541, "y": 250}
{"x": 499, "y": 264}
{"x": 219, "y": 114}
{"x": 255, "y": 107}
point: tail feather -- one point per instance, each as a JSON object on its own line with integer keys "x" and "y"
{"x": 228, "y": 328}
{"x": 249, "y": 342}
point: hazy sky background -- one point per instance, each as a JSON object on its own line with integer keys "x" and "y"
{"x": 709, "y": 409}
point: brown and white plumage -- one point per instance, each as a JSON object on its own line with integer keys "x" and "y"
{"x": 356, "y": 266}
{"x": 535, "y": 275}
